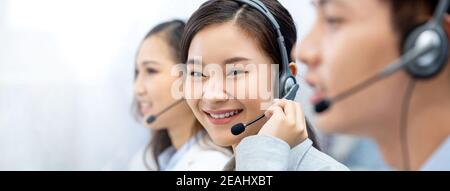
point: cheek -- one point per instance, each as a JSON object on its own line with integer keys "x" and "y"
{"x": 151, "y": 88}
{"x": 193, "y": 103}
{"x": 193, "y": 89}
{"x": 355, "y": 55}
{"x": 162, "y": 86}
{"x": 348, "y": 61}
{"x": 256, "y": 107}
{"x": 339, "y": 68}
{"x": 257, "y": 84}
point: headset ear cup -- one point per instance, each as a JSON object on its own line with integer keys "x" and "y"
{"x": 287, "y": 83}
{"x": 290, "y": 82}
{"x": 427, "y": 68}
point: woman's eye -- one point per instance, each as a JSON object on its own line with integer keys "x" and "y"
{"x": 333, "y": 22}
{"x": 197, "y": 74}
{"x": 237, "y": 72}
{"x": 151, "y": 71}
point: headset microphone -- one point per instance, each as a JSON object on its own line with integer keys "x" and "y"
{"x": 424, "y": 46}
{"x": 152, "y": 118}
{"x": 425, "y": 54}
{"x": 240, "y": 127}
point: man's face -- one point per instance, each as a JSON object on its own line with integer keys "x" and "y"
{"x": 350, "y": 42}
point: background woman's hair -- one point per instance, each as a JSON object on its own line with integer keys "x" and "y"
{"x": 252, "y": 22}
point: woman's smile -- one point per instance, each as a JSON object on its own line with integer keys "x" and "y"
{"x": 221, "y": 117}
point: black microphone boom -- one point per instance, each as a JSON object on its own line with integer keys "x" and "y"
{"x": 240, "y": 127}
{"x": 400, "y": 63}
{"x": 152, "y": 118}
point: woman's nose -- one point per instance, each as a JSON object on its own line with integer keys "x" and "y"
{"x": 215, "y": 91}
{"x": 139, "y": 87}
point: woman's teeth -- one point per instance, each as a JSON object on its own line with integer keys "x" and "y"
{"x": 223, "y": 115}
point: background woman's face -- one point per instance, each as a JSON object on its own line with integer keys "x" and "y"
{"x": 351, "y": 41}
{"x": 154, "y": 82}
{"x": 217, "y": 104}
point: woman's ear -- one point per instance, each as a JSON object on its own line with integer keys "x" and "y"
{"x": 293, "y": 68}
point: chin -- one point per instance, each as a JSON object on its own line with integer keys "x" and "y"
{"x": 223, "y": 139}
{"x": 327, "y": 125}
{"x": 154, "y": 126}
{"x": 339, "y": 125}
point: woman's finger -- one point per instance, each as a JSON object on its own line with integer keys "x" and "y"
{"x": 300, "y": 115}
{"x": 290, "y": 111}
{"x": 275, "y": 111}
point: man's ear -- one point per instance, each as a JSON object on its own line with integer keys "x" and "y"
{"x": 294, "y": 69}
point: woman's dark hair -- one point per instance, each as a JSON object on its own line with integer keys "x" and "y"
{"x": 172, "y": 32}
{"x": 252, "y": 22}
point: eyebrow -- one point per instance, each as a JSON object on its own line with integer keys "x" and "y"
{"x": 323, "y": 3}
{"x": 148, "y": 62}
{"x": 227, "y": 61}
{"x": 235, "y": 59}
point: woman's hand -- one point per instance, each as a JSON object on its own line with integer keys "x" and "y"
{"x": 286, "y": 122}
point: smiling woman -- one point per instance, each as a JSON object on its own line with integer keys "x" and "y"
{"x": 247, "y": 37}
{"x": 66, "y": 79}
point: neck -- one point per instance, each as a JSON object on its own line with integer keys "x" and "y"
{"x": 180, "y": 133}
{"x": 426, "y": 129}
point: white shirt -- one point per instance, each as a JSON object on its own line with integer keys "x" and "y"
{"x": 440, "y": 160}
{"x": 169, "y": 158}
{"x": 192, "y": 156}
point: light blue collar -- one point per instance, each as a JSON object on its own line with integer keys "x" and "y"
{"x": 440, "y": 160}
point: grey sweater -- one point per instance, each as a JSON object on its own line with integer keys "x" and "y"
{"x": 267, "y": 153}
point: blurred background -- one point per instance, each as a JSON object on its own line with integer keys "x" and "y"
{"x": 66, "y": 83}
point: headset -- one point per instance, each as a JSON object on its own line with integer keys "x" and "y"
{"x": 424, "y": 55}
{"x": 431, "y": 34}
{"x": 288, "y": 86}
{"x": 287, "y": 80}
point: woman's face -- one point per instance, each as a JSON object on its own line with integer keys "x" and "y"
{"x": 350, "y": 42}
{"x": 222, "y": 76}
{"x": 154, "y": 81}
